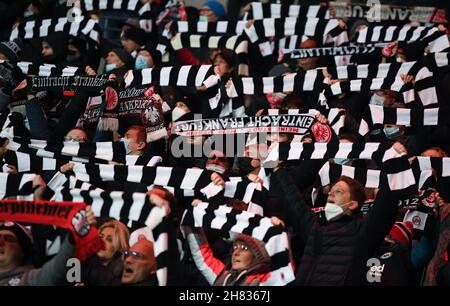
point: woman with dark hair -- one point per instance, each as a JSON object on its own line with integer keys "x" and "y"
{"x": 222, "y": 105}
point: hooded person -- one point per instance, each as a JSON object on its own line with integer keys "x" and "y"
{"x": 133, "y": 38}
{"x": 76, "y": 50}
{"x": 212, "y": 11}
{"x": 250, "y": 263}
{"x": 118, "y": 61}
{"x": 11, "y": 50}
{"x": 54, "y": 48}
{"x": 249, "y": 258}
{"x": 147, "y": 57}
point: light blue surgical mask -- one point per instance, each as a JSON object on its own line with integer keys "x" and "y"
{"x": 341, "y": 161}
{"x": 377, "y": 100}
{"x": 27, "y": 14}
{"x": 126, "y": 144}
{"x": 26, "y": 122}
{"x": 110, "y": 67}
{"x": 203, "y": 18}
{"x": 392, "y": 132}
{"x": 140, "y": 63}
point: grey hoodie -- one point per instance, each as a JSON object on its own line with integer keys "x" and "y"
{"x": 52, "y": 273}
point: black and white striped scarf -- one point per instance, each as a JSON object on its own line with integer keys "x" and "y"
{"x": 143, "y": 10}
{"x": 368, "y": 85}
{"x": 395, "y": 167}
{"x": 440, "y": 166}
{"x": 29, "y": 68}
{"x": 264, "y": 28}
{"x": 381, "y": 12}
{"x": 25, "y": 162}
{"x": 376, "y": 114}
{"x": 237, "y": 44}
{"x": 366, "y": 78}
{"x": 42, "y": 28}
{"x": 299, "y": 151}
{"x": 313, "y": 80}
{"x": 370, "y": 178}
{"x": 179, "y": 178}
{"x": 323, "y": 30}
{"x": 129, "y": 208}
{"x": 297, "y": 124}
{"x": 282, "y": 10}
{"x": 332, "y": 51}
{"x": 436, "y": 39}
{"x": 173, "y": 76}
{"x": 436, "y": 61}
{"x": 230, "y": 221}
{"x": 335, "y": 116}
{"x": 16, "y": 186}
{"x": 88, "y": 152}
{"x": 375, "y": 71}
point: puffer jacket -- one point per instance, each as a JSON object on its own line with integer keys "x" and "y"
{"x": 336, "y": 252}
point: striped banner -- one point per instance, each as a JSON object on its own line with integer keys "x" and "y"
{"x": 42, "y": 28}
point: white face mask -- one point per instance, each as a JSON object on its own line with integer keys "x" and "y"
{"x": 279, "y": 95}
{"x": 27, "y": 14}
{"x": 127, "y": 143}
{"x": 27, "y": 123}
{"x": 341, "y": 161}
{"x": 216, "y": 168}
{"x": 177, "y": 113}
{"x": 377, "y": 100}
{"x": 400, "y": 59}
{"x": 110, "y": 67}
{"x": 334, "y": 211}
{"x": 203, "y": 18}
{"x": 392, "y": 132}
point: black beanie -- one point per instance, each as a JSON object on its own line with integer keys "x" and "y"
{"x": 156, "y": 55}
{"x": 12, "y": 49}
{"x": 58, "y": 41}
{"x": 137, "y": 35}
{"x": 124, "y": 56}
{"x": 23, "y": 235}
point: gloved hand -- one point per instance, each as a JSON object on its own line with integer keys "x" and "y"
{"x": 10, "y": 76}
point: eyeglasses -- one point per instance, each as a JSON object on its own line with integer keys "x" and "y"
{"x": 75, "y": 139}
{"x": 135, "y": 255}
{"x": 241, "y": 247}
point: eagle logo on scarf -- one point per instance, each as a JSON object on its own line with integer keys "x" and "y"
{"x": 80, "y": 224}
{"x": 321, "y": 132}
{"x": 151, "y": 116}
{"x": 111, "y": 98}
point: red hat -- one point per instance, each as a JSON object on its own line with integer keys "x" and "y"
{"x": 402, "y": 232}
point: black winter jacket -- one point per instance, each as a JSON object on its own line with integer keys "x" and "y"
{"x": 336, "y": 252}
